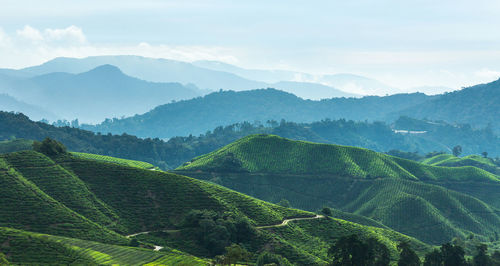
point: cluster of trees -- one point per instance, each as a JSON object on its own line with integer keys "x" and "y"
{"x": 49, "y": 147}
{"x": 351, "y": 250}
{"x": 175, "y": 151}
{"x": 215, "y": 231}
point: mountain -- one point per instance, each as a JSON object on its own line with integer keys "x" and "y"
{"x": 11, "y": 104}
{"x": 100, "y": 93}
{"x": 427, "y": 202}
{"x": 477, "y": 105}
{"x": 348, "y": 83}
{"x": 198, "y": 115}
{"x": 164, "y": 70}
{"x": 313, "y": 91}
{"x": 90, "y": 205}
{"x": 155, "y": 70}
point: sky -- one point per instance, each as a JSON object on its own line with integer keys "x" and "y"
{"x": 405, "y": 44}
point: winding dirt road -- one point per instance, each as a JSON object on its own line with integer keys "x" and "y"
{"x": 284, "y": 223}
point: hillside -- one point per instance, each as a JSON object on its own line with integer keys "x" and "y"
{"x": 197, "y": 115}
{"x": 470, "y": 160}
{"x": 101, "y": 201}
{"x": 359, "y": 181}
{"x": 109, "y": 91}
{"x": 172, "y": 153}
{"x": 22, "y": 247}
{"x": 477, "y": 105}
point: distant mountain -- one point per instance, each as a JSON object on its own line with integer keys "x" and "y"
{"x": 348, "y": 83}
{"x": 156, "y": 70}
{"x": 409, "y": 197}
{"x": 103, "y": 92}
{"x": 11, "y": 104}
{"x": 313, "y": 91}
{"x": 198, "y": 115}
{"x": 357, "y": 84}
{"x": 206, "y": 78}
{"x": 477, "y": 105}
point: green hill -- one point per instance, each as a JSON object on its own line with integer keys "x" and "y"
{"x": 470, "y": 160}
{"x": 22, "y": 247}
{"x": 273, "y": 154}
{"x": 78, "y": 200}
{"x": 404, "y": 195}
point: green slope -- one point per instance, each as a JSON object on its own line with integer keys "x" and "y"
{"x": 407, "y": 196}
{"x": 471, "y": 160}
{"x": 67, "y": 196}
{"x": 22, "y": 247}
{"x": 273, "y": 154}
{"x": 23, "y": 205}
{"x": 110, "y": 159}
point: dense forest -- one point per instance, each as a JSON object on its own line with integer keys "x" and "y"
{"x": 170, "y": 154}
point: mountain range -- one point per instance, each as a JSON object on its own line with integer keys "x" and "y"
{"x": 92, "y": 96}
{"x": 198, "y": 115}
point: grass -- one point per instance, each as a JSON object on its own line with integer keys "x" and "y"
{"x": 407, "y": 196}
{"x": 23, "y": 247}
{"x": 471, "y": 160}
{"x": 24, "y": 205}
{"x": 110, "y": 159}
{"x": 273, "y": 154}
{"x": 81, "y": 204}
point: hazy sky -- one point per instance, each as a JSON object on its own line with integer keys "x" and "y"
{"x": 402, "y": 43}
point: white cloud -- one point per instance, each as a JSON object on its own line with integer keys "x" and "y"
{"x": 30, "y": 33}
{"x": 487, "y": 74}
{"x": 71, "y": 34}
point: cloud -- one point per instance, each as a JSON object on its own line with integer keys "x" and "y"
{"x": 70, "y": 34}
{"x": 30, "y": 33}
{"x": 64, "y": 36}
{"x": 487, "y": 74}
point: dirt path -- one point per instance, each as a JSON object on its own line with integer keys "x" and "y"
{"x": 286, "y": 221}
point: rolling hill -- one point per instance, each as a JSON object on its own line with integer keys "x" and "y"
{"x": 378, "y": 186}
{"x": 470, "y": 160}
{"x": 82, "y": 209}
{"x": 110, "y": 93}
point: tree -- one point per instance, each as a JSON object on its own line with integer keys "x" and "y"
{"x": 457, "y": 150}
{"x": 326, "y": 211}
{"x": 434, "y": 258}
{"x": 236, "y": 253}
{"x": 482, "y": 258}
{"x": 453, "y": 255}
{"x": 485, "y": 154}
{"x": 407, "y": 257}
{"x": 49, "y": 147}
{"x": 267, "y": 258}
{"x": 284, "y": 203}
{"x": 350, "y": 251}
